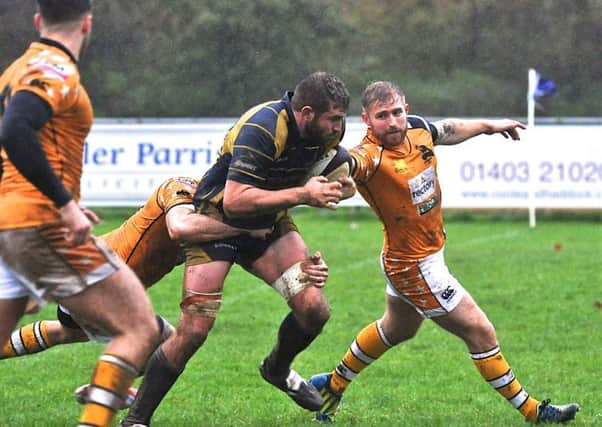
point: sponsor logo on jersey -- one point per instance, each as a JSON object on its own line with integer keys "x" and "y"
{"x": 426, "y": 207}
{"x": 222, "y": 245}
{"x": 241, "y": 164}
{"x": 422, "y": 186}
{"x": 401, "y": 167}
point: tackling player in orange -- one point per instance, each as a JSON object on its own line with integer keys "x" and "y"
{"x": 149, "y": 242}
{"x": 395, "y": 170}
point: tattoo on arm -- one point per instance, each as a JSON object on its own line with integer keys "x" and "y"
{"x": 446, "y": 129}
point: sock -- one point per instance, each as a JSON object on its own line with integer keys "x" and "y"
{"x": 158, "y": 379}
{"x": 29, "y": 339}
{"x": 495, "y": 370}
{"x": 368, "y": 346}
{"x": 292, "y": 340}
{"x": 108, "y": 390}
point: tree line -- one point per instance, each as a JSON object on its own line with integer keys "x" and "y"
{"x": 208, "y": 58}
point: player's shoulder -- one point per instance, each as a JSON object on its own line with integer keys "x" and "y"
{"x": 52, "y": 63}
{"x": 179, "y": 184}
{"x": 174, "y": 191}
{"x": 268, "y": 122}
{"x": 49, "y": 72}
{"x": 368, "y": 144}
{"x": 418, "y": 122}
{"x": 267, "y": 114}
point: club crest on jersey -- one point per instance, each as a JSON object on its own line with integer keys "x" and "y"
{"x": 422, "y": 186}
{"x": 37, "y": 83}
{"x": 427, "y": 153}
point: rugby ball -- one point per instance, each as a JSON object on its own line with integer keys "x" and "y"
{"x": 333, "y": 164}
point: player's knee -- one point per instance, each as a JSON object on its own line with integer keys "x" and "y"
{"x": 196, "y": 338}
{"x": 319, "y": 316}
{"x": 486, "y": 331}
{"x": 69, "y": 335}
{"x": 201, "y": 304}
{"x": 480, "y": 335}
{"x": 144, "y": 330}
{"x": 313, "y": 317}
{"x": 150, "y": 333}
{"x": 199, "y": 311}
{"x": 398, "y": 335}
{"x": 190, "y": 336}
{"x": 291, "y": 282}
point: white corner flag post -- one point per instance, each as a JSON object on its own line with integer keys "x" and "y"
{"x": 530, "y": 126}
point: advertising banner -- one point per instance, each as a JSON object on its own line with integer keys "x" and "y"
{"x": 556, "y": 167}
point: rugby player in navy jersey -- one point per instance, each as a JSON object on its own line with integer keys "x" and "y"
{"x": 259, "y": 174}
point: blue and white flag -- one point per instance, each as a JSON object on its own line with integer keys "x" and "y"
{"x": 542, "y": 87}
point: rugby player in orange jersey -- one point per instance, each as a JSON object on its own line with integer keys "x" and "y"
{"x": 395, "y": 170}
{"x": 45, "y": 237}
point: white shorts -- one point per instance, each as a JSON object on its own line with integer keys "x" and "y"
{"x": 44, "y": 260}
{"x": 93, "y": 333}
{"x": 13, "y": 286}
{"x": 426, "y": 284}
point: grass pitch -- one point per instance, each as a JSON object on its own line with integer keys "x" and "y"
{"x": 538, "y": 286}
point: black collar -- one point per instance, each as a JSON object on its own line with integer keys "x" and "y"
{"x": 56, "y": 44}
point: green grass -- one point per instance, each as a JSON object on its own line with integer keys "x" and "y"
{"x": 541, "y": 301}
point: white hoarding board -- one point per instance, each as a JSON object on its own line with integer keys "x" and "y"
{"x": 558, "y": 167}
{"x": 552, "y": 166}
{"x": 123, "y": 164}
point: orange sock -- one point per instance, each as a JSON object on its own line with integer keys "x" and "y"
{"x": 29, "y": 339}
{"x": 108, "y": 390}
{"x": 495, "y": 370}
{"x": 368, "y": 346}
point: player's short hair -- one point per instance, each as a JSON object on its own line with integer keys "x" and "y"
{"x": 380, "y": 91}
{"x": 59, "y": 11}
{"x": 320, "y": 91}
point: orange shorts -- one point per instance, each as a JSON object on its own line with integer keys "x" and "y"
{"x": 426, "y": 284}
{"x": 49, "y": 266}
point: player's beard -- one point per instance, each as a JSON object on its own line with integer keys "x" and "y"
{"x": 393, "y": 138}
{"x": 315, "y": 133}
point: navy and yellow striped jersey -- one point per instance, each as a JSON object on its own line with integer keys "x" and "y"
{"x": 262, "y": 149}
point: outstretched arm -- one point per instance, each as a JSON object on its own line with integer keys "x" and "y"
{"x": 455, "y": 131}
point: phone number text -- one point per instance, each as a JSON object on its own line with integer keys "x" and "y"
{"x": 547, "y": 171}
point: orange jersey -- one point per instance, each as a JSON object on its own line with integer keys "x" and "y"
{"x": 401, "y": 186}
{"x": 143, "y": 242}
{"x": 51, "y": 73}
